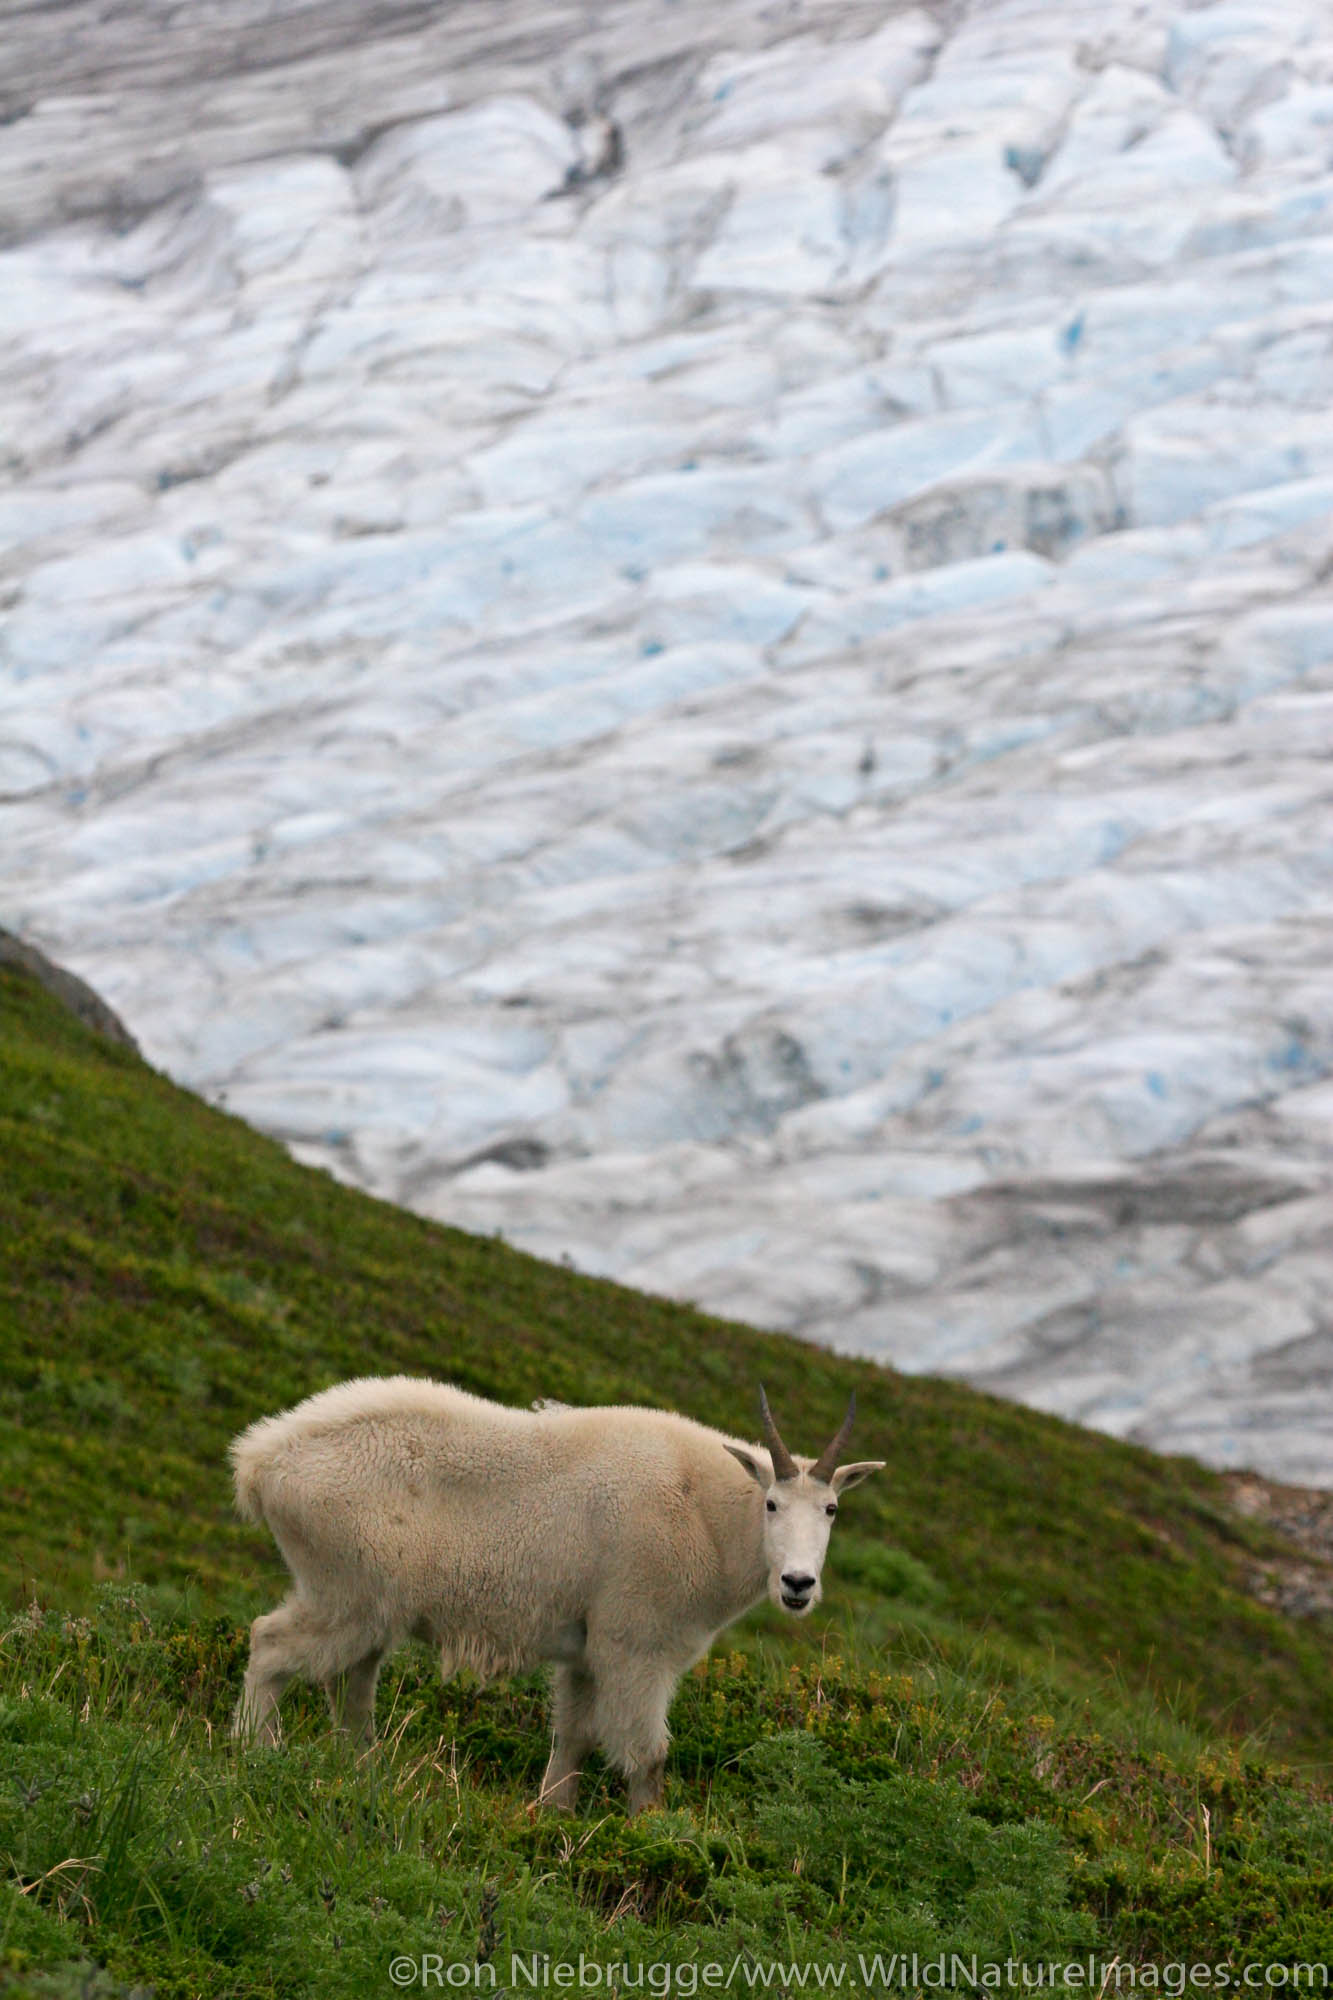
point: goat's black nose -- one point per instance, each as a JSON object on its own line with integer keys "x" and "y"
{"x": 797, "y": 1585}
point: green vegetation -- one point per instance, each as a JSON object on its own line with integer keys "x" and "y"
{"x": 816, "y": 1814}
{"x": 1037, "y": 1718}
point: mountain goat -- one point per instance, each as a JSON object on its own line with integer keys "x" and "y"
{"x": 613, "y": 1543}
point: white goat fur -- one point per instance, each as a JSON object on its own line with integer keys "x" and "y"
{"x": 614, "y": 1543}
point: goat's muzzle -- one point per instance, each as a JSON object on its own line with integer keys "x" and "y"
{"x": 798, "y": 1592}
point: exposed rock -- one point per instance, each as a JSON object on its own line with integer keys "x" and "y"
{"x": 71, "y": 991}
{"x": 1305, "y": 1517}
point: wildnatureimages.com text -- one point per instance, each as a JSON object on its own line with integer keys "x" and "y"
{"x": 867, "y": 1973}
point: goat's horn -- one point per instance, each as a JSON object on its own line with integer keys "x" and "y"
{"x": 826, "y": 1464}
{"x": 784, "y": 1465}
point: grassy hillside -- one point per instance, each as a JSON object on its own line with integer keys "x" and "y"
{"x": 1018, "y": 1717}
{"x": 168, "y": 1275}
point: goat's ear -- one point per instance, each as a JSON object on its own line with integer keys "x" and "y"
{"x": 754, "y": 1465}
{"x": 852, "y": 1475}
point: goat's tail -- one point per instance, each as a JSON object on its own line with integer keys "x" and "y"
{"x": 252, "y": 1454}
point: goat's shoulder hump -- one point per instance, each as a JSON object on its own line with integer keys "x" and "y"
{"x": 654, "y": 1438}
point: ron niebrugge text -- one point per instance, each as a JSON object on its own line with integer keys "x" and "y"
{"x": 877, "y": 1972}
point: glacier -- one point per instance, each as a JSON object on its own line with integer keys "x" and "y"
{"x": 703, "y": 636}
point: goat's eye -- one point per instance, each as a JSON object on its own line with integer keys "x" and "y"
{"x": 772, "y": 1506}
{"x": 830, "y": 1509}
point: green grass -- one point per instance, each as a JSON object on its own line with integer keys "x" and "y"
{"x": 814, "y": 1815}
{"x": 1041, "y": 1707}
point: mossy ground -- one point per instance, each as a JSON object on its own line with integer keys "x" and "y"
{"x": 1040, "y": 1710}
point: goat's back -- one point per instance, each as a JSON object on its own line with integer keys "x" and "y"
{"x": 450, "y": 1509}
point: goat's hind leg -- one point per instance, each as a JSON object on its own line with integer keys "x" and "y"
{"x": 273, "y": 1662}
{"x": 352, "y": 1697}
{"x": 299, "y": 1638}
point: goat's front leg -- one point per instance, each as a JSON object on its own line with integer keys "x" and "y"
{"x": 632, "y": 1727}
{"x": 574, "y": 1700}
